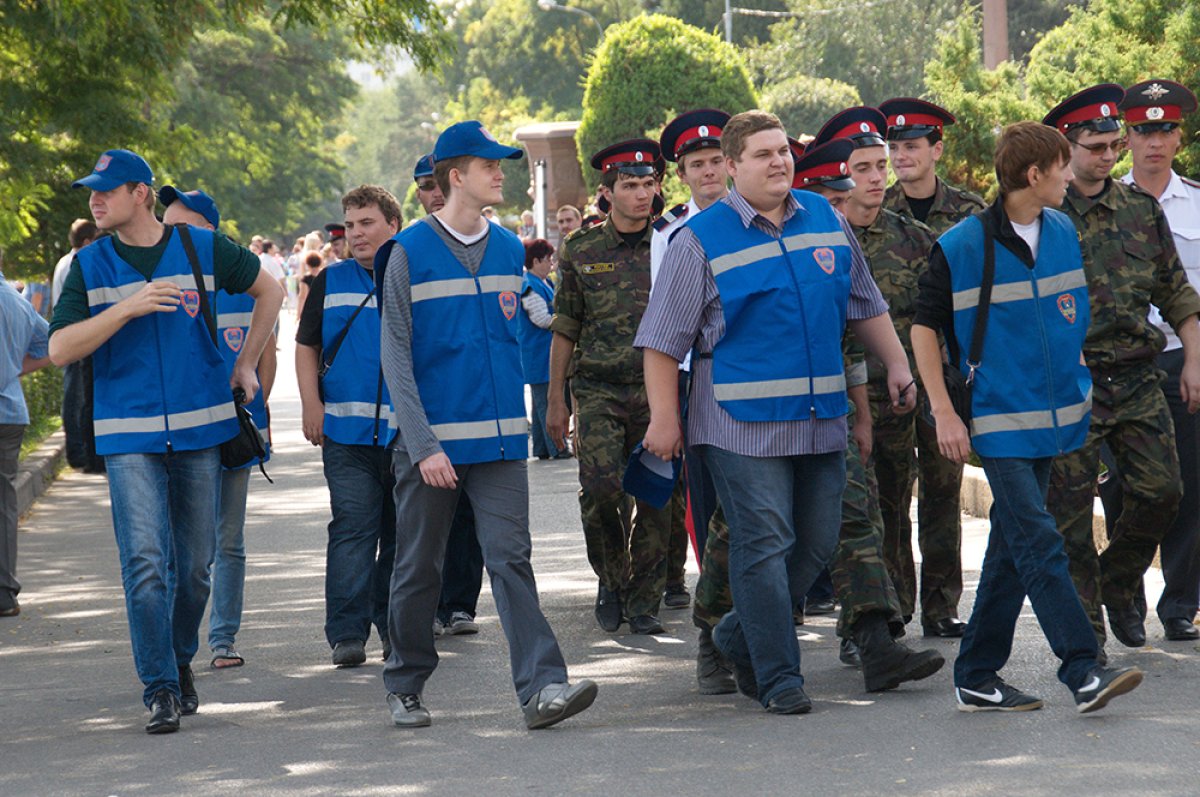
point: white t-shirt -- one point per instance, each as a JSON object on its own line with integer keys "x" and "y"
{"x": 271, "y": 265}
{"x": 465, "y": 240}
{"x": 1031, "y": 233}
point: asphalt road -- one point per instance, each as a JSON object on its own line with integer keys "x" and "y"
{"x": 289, "y": 724}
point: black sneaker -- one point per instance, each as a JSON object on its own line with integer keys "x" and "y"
{"x": 407, "y": 711}
{"x": 998, "y": 696}
{"x": 1103, "y": 685}
{"x": 676, "y": 596}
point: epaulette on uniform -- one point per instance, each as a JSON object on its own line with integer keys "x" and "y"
{"x": 670, "y": 217}
{"x": 1190, "y": 182}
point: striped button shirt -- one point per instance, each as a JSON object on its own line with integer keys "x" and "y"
{"x": 685, "y": 312}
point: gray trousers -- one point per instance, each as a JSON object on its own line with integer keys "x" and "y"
{"x": 10, "y": 450}
{"x": 499, "y": 494}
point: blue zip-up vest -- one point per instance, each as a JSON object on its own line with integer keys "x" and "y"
{"x": 233, "y": 322}
{"x": 784, "y": 301}
{"x": 535, "y": 341}
{"x": 1031, "y": 397}
{"x": 466, "y": 358}
{"x": 358, "y": 408}
{"x": 160, "y": 383}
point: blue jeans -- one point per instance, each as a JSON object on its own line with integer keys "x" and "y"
{"x": 784, "y": 514}
{"x": 1025, "y": 555}
{"x": 229, "y": 560}
{"x": 164, "y": 509}
{"x": 542, "y": 446}
{"x": 362, "y": 540}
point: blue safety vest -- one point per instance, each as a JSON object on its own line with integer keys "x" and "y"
{"x": 466, "y": 358}
{"x": 358, "y": 408}
{"x": 160, "y": 383}
{"x": 784, "y": 301}
{"x": 233, "y": 322}
{"x": 1032, "y": 396}
{"x": 535, "y": 341}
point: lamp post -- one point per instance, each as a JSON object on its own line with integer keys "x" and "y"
{"x": 554, "y": 5}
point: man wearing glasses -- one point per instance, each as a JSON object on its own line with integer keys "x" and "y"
{"x": 1131, "y": 264}
{"x": 1154, "y": 111}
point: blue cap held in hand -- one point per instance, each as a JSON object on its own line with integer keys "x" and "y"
{"x": 648, "y": 478}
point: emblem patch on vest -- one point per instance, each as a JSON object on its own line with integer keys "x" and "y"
{"x": 598, "y": 268}
{"x": 234, "y": 338}
{"x": 1066, "y": 306}
{"x": 508, "y": 304}
{"x": 825, "y": 259}
{"x": 191, "y": 302}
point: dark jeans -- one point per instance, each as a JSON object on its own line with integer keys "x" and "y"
{"x": 1025, "y": 556}
{"x": 362, "y": 540}
{"x": 462, "y": 570}
{"x": 10, "y": 452}
{"x": 1180, "y": 546}
{"x": 543, "y": 447}
{"x": 784, "y": 514}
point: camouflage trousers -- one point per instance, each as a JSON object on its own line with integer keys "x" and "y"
{"x": 677, "y": 542}
{"x": 1135, "y": 422}
{"x": 860, "y": 577}
{"x": 626, "y": 539}
{"x": 939, "y": 524}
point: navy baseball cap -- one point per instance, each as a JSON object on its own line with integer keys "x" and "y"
{"x": 116, "y": 167}
{"x": 472, "y": 138}
{"x": 424, "y": 167}
{"x": 648, "y": 478}
{"x": 196, "y": 201}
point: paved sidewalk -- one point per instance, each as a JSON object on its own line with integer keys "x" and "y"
{"x": 289, "y": 724}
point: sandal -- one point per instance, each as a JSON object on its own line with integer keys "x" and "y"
{"x": 225, "y": 656}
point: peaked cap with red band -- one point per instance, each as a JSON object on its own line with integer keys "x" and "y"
{"x": 862, "y": 125}
{"x": 634, "y": 157}
{"x": 1157, "y": 102}
{"x": 1096, "y": 109}
{"x": 823, "y": 164}
{"x": 691, "y": 131}
{"x": 909, "y": 117}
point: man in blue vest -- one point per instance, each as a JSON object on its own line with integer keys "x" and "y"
{"x": 451, "y": 296}
{"x": 162, "y": 407}
{"x": 1031, "y": 400}
{"x": 762, "y": 284}
{"x": 233, "y": 312}
{"x": 347, "y": 411}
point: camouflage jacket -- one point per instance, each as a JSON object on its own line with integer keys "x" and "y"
{"x": 1131, "y": 263}
{"x": 897, "y": 248}
{"x": 603, "y": 290}
{"x": 950, "y": 205}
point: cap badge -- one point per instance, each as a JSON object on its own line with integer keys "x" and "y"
{"x": 102, "y": 164}
{"x": 703, "y": 131}
{"x": 866, "y": 128}
{"x": 639, "y": 157}
{"x": 1154, "y": 114}
{"x": 842, "y": 167}
{"x": 1105, "y": 110}
{"x": 900, "y": 120}
{"x": 1155, "y": 91}
{"x": 483, "y": 131}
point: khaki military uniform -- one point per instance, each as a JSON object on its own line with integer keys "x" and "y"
{"x": 1131, "y": 263}
{"x": 603, "y": 292}
{"x": 950, "y": 205}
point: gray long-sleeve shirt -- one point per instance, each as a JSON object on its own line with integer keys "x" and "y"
{"x": 395, "y": 347}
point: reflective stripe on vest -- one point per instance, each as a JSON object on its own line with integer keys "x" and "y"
{"x": 774, "y": 388}
{"x": 1019, "y": 291}
{"x": 442, "y": 289}
{"x": 1029, "y": 421}
{"x": 474, "y": 430}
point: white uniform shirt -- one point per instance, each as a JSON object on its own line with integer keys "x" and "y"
{"x": 1181, "y": 205}
{"x": 658, "y": 251}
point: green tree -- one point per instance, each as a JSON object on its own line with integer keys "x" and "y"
{"x": 647, "y": 71}
{"x": 708, "y": 15}
{"x": 804, "y": 103}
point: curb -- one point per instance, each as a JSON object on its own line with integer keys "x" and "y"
{"x": 36, "y": 471}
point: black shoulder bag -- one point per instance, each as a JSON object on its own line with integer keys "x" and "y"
{"x": 247, "y": 445}
{"x": 958, "y": 385}
{"x": 328, "y": 355}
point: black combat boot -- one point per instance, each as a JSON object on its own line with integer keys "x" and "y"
{"x": 887, "y": 663}
{"x": 714, "y": 676}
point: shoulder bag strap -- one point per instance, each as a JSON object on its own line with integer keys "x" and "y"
{"x": 985, "y": 300}
{"x": 185, "y": 236}
{"x": 328, "y": 356}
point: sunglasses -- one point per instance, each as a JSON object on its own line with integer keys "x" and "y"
{"x": 426, "y": 185}
{"x": 1117, "y": 147}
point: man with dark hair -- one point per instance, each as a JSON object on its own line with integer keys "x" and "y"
{"x": 1030, "y": 400}
{"x": 348, "y": 413}
{"x": 914, "y": 138}
{"x": 604, "y": 285}
{"x": 163, "y": 406}
{"x": 762, "y": 285}
{"x": 1131, "y": 264}
{"x": 451, "y": 358}
{"x": 77, "y": 377}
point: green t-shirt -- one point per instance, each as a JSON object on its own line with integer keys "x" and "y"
{"x": 234, "y": 267}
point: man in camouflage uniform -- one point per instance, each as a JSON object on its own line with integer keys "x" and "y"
{"x": 915, "y": 129}
{"x": 604, "y": 288}
{"x": 1131, "y": 263}
{"x": 914, "y": 137}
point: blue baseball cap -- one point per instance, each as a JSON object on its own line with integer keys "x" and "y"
{"x": 197, "y": 201}
{"x": 649, "y": 478}
{"x": 116, "y": 167}
{"x": 424, "y": 167}
{"x": 472, "y": 138}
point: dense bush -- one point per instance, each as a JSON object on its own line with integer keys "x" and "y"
{"x": 43, "y": 395}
